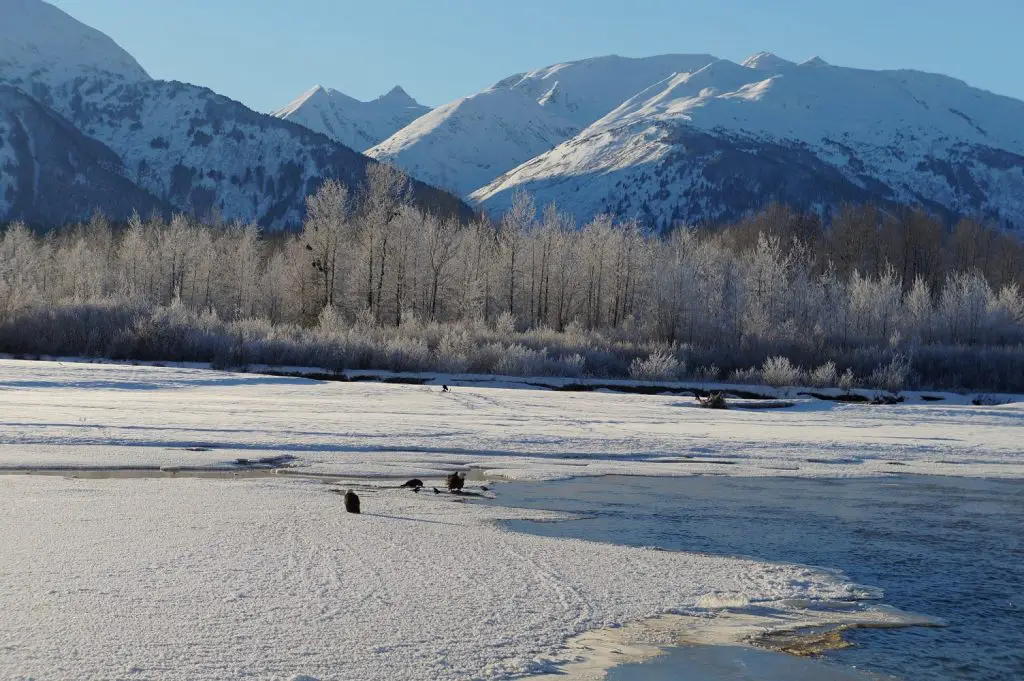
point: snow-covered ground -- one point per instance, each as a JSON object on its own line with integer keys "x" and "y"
{"x": 198, "y": 579}
{"x": 182, "y": 578}
{"x": 72, "y": 414}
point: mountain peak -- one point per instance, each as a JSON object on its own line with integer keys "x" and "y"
{"x": 815, "y": 61}
{"x": 672, "y": 153}
{"x": 40, "y": 42}
{"x": 354, "y": 123}
{"x": 397, "y": 95}
{"x": 766, "y": 61}
{"x": 300, "y": 101}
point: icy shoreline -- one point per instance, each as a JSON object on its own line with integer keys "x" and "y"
{"x": 597, "y": 652}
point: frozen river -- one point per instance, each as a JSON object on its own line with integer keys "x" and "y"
{"x": 946, "y": 547}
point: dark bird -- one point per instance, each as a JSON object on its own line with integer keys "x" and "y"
{"x": 455, "y": 482}
{"x": 415, "y": 483}
{"x": 445, "y": 389}
{"x": 351, "y": 502}
{"x": 437, "y": 491}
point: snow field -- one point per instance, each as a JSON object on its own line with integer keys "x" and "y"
{"x": 188, "y": 579}
{"x": 183, "y": 578}
{"x": 90, "y": 415}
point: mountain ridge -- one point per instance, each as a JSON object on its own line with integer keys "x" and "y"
{"x": 668, "y": 139}
{"x": 40, "y": 44}
{"x": 354, "y": 123}
{"x": 892, "y": 137}
{"x": 131, "y": 142}
{"x": 457, "y": 145}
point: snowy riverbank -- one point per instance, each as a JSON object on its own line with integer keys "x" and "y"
{"x": 101, "y": 415}
{"x": 180, "y": 578}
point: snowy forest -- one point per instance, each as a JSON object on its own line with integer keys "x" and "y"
{"x": 873, "y": 299}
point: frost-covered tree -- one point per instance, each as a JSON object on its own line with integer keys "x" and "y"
{"x": 441, "y": 241}
{"x": 373, "y": 280}
{"x": 19, "y": 270}
{"x": 515, "y": 227}
{"x": 241, "y": 249}
{"x": 324, "y": 234}
{"x": 384, "y": 196}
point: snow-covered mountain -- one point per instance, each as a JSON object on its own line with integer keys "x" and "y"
{"x": 583, "y": 91}
{"x": 42, "y": 46}
{"x": 358, "y": 125}
{"x": 51, "y": 173}
{"x": 715, "y": 142}
{"x": 668, "y": 139}
{"x": 465, "y": 144}
{"x": 201, "y": 152}
{"x": 164, "y": 144}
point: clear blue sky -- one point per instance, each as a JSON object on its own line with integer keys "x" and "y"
{"x": 266, "y": 52}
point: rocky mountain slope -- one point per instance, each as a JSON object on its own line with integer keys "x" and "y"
{"x": 51, "y": 173}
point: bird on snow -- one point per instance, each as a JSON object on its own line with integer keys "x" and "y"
{"x": 351, "y": 502}
{"x": 455, "y": 482}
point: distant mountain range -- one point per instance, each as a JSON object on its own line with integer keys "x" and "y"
{"x": 83, "y": 127}
{"x": 668, "y": 140}
{"x": 691, "y": 138}
{"x": 716, "y": 142}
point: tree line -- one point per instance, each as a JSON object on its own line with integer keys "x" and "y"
{"x": 871, "y": 286}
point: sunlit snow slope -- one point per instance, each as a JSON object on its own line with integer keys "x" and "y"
{"x": 467, "y": 143}
{"x": 41, "y": 45}
{"x": 725, "y": 139}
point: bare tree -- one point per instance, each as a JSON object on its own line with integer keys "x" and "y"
{"x": 327, "y": 215}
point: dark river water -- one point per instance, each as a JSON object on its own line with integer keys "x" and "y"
{"x": 946, "y": 547}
